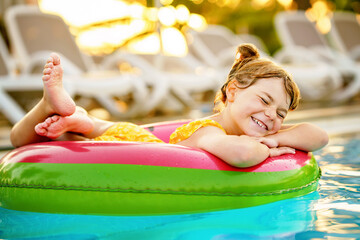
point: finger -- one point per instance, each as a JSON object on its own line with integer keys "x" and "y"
{"x": 285, "y": 150}
{"x": 274, "y": 152}
{"x": 271, "y": 143}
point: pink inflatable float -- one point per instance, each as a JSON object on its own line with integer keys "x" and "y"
{"x": 128, "y": 178}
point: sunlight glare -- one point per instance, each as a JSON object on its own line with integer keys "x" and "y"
{"x": 151, "y": 14}
{"x": 286, "y": 3}
{"x": 103, "y": 28}
{"x": 173, "y": 42}
{"x": 258, "y": 4}
{"x": 197, "y": 22}
{"x": 137, "y": 10}
{"x": 167, "y": 15}
{"x": 69, "y": 10}
{"x": 320, "y": 13}
{"x": 147, "y": 45}
{"x": 165, "y": 2}
{"x": 182, "y": 13}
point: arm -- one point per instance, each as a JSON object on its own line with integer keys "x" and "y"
{"x": 303, "y": 136}
{"x": 239, "y": 151}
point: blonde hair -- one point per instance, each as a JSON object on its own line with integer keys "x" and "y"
{"x": 248, "y": 68}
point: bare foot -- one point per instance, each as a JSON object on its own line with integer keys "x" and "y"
{"x": 54, "y": 126}
{"x": 56, "y": 98}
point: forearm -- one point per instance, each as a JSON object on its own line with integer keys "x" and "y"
{"x": 238, "y": 151}
{"x": 304, "y": 136}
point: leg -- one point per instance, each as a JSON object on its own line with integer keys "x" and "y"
{"x": 55, "y": 101}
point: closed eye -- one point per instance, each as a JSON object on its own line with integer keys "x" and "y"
{"x": 264, "y": 100}
{"x": 281, "y": 115}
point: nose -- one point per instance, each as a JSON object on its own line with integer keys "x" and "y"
{"x": 270, "y": 113}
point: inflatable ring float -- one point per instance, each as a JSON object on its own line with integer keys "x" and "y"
{"x": 130, "y": 178}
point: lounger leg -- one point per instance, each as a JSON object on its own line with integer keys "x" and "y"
{"x": 10, "y": 108}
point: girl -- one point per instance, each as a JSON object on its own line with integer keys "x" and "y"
{"x": 247, "y": 128}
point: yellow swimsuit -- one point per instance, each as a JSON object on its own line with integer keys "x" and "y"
{"x": 187, "y": 130}
{"x": 124, "y": 131}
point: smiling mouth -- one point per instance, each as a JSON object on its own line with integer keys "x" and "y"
{"x": 259, "y": 123}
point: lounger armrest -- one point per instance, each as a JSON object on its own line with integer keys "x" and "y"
{"x": 39, "y": 59}
{"x": 121, "y": 56}
{"x": 296, "y": 55}
{"x": 355, "y": 53}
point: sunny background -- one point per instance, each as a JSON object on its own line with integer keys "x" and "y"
{"x": 101, "y": 29}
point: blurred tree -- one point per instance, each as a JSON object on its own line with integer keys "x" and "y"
{"x": 302, "y": 4}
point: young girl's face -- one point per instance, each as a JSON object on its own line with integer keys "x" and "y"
{"x": 260, "y": 109}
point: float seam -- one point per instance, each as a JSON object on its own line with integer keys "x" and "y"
{"x": 278, "y": 192}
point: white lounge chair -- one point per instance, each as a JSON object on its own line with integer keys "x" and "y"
{"x": 10, "y": 82}
{"x": 302, "y": 43}
{"x": 34, "y": 35}
{"x": 257, "y": 41}
{"x": 345, "y": 33}
{"x": 217, "y": 45}
{"x": 184, "y": 76}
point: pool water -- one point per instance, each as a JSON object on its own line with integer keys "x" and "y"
{"x": 333, "y": 212}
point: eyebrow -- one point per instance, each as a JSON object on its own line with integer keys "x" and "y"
{"x": 272, "y": 100}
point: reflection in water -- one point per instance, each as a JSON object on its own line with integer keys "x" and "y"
{"x": 262, "y": 221}
{"x": 337, "y": 211}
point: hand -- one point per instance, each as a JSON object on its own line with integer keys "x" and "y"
{"x": 277, "y": 151}
{"x": 269, "y": 142}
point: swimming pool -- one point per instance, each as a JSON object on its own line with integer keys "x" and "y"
{"x": 331, "y": 212}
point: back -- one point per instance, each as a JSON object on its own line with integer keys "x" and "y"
{"x": 296, "y": 30}
{"x": 4, "y": 58}
{"x": 346, "y": 31}
{"x": 32, "y": 31}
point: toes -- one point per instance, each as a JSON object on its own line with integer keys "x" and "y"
{"x": 50, "y": 60}
{"x": 49, "y": 65}
{"x": 48, "y": 121}
{"x": 44, "y": 124}
{"x": 47, "y": 71}
{"x": 46, "y": 77}
{"x": 40, "y": 125}
{"x": 55, "y": 118}
{"x": 40, "y": 130}
{"x": 56, "y": 58}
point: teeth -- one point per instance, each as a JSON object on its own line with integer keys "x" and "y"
{"x": 259, "y": 123}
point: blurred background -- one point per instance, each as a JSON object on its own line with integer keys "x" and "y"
{"x": 148, "y": 61}
{"x": 85, "y": 18}
{"x": 155, "y": 60}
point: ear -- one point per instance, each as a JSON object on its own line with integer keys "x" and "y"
{"x": 231, "y": 90}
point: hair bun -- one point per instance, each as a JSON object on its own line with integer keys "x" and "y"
{"x": 245, "y": 51}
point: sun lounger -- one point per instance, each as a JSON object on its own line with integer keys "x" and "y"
{"x": 303, "y": 43}
{"x": 34, "y": 35}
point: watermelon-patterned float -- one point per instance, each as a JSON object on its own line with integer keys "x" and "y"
{"x": 128, "y": 178}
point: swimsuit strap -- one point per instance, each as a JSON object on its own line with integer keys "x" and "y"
{"x": 186, "y": 130}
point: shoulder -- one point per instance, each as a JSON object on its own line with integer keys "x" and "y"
{"x": 196, "y": 129}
